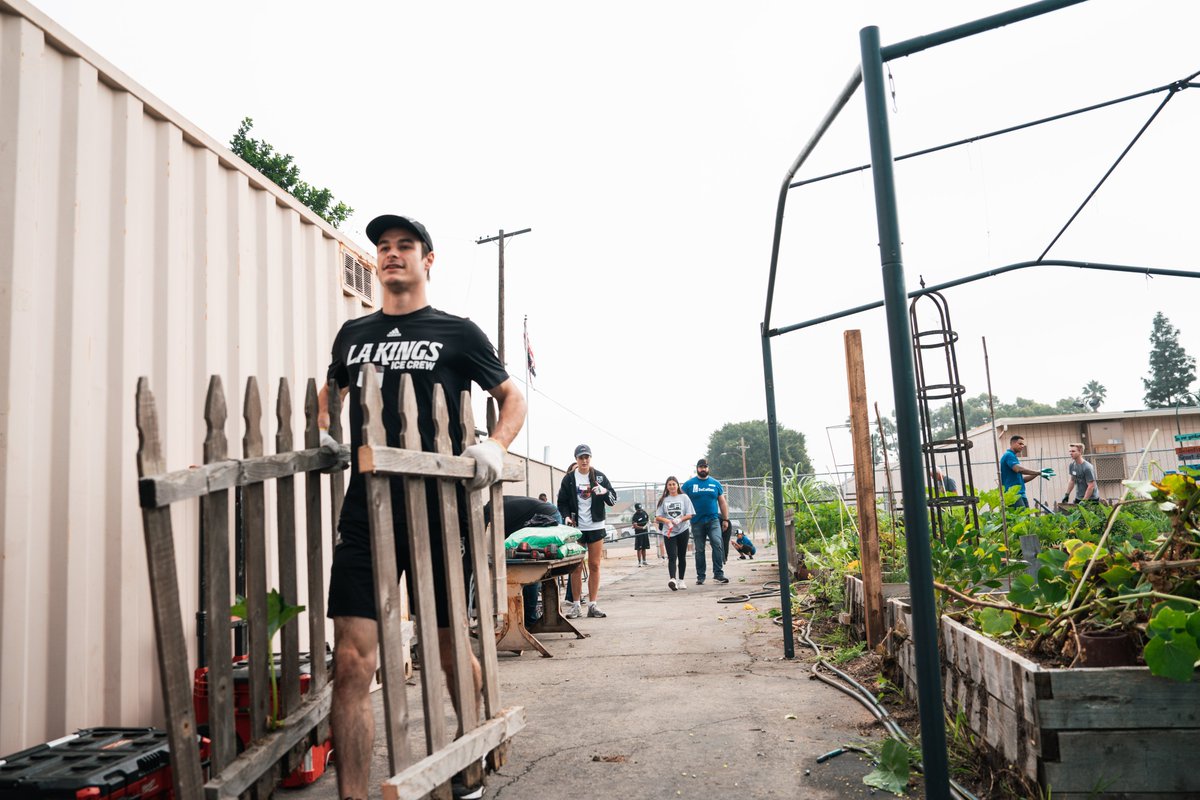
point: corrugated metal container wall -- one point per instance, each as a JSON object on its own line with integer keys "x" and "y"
{"x": 130, "y": 244}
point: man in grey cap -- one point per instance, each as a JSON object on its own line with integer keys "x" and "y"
{"x": 405, "y": 336}
{"x": 582, "y": 497}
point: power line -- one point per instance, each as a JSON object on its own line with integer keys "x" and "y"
{"x": 577, "y": 415}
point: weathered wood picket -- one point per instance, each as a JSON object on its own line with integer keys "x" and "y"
{"x": 301, "y": 721}
{"x": 378, "y": 462}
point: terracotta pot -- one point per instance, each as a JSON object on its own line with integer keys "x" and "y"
{"x": 1107, "y": 649}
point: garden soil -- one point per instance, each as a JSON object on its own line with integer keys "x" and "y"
{"x": 674, "y": 694}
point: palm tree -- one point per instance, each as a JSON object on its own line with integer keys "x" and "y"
{"x": 1094, "y": 394}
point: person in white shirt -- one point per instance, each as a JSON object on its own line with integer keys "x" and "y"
{"x": 582, "y": 498}
{"x": 674, "y": 513}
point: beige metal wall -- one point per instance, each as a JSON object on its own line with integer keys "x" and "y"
{"x": 131, "y": 244}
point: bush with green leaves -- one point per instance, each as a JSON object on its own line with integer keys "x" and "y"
{"x": 1143, "y": 580}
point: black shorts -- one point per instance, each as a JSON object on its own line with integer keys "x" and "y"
{"x": 352, "y": 576}
{"x": 587, "y": 537}
{"x": 641, "y": 541}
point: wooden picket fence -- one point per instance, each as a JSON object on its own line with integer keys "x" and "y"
{"x": 302, "y": 720}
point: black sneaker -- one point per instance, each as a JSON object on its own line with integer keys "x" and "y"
{"x": 699, "y": 581}
{"x": 721, "y": 579}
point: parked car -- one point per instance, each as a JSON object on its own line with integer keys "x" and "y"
{"x": 610, "y": 533}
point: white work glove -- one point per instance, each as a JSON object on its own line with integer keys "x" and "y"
{"x": 329, "y": 445}
{"x": 489, "y": 462}
{"x": 600, "y": 491}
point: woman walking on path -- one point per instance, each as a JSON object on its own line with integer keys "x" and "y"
{"x": 581, "y": 500}
{"x": 674, "y": 513}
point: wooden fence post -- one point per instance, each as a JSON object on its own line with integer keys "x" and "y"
{"x": 214, "y": 509}
{"x": 164, "y": 594}
{"x": 864, "y": 489}
{"x": 387, "y": 586}
{"x": 289, "y": 590}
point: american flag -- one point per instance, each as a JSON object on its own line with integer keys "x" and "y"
{"x": 529, "y": 362}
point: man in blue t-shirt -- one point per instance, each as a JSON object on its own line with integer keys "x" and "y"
{"x": 1013, "y": 474}
{"x": 712, "y": 516}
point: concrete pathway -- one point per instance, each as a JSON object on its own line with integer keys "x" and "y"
{"x": 672, "y": 695}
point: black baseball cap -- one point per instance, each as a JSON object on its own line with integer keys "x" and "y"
{"x": 702, "y": 463}
{"x": 583, "y": 450}
{"x": 385, "y": 222}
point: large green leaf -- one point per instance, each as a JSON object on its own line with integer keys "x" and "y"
{"x": 1024, "y": 591}
{"x": 1193, "y": 625}
{"x": 1054, "y": 590}
{"x": 1053, "y": 558}
{"x": 1174, "y": 659}
{"x": 1119, "y": 575}
{"x": 1166, "y": 621}
{"x": 995, "y": 622}
{"x": 892, "y": 773}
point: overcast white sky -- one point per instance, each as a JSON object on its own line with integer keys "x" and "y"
{"x": 645, "y": 143}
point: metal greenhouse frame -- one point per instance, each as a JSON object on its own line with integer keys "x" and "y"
{"x": 870, "y": 75}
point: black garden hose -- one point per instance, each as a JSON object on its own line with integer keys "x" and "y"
{"x": 769, "y": 589}
{"x": 860, "y": 693}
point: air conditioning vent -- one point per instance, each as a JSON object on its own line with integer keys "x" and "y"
{"x": 357, "y": 280}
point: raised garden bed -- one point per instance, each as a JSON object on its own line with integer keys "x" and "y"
{"x": 1111, "y": 732}
{"x": 854, "y": 610}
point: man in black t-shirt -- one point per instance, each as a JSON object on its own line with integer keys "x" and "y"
{"x": 408, "y": 336}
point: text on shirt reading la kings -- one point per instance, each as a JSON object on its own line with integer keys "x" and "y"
{"x": 420, "y": 354}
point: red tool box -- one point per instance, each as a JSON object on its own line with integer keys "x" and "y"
{"x": 315, "y": 760}
{"x": 93, "y": 764}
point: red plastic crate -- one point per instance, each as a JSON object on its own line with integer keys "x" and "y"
{"x": 317, "y": 757}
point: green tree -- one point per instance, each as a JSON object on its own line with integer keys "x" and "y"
{"x": 975, "y": 409}
{"x": 724, "y": 452}
{"x": 282, "y": 170}
{"x": 1172, "y": 370}
{"x": 1093, "y": 394}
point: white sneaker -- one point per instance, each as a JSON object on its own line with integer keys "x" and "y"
{"x": 594, "y": 611}
{"x": 681, "y": 584}
{"x": 575, "y": 612}
{"x": 672, "y": 585}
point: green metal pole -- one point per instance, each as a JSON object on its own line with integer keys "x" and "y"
{"x": 916, "y": 520}
{"x": 910, "y": 46}
{"x": 785, "y": 569}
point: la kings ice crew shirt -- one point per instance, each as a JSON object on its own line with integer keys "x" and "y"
{"x": 434, "y": 348}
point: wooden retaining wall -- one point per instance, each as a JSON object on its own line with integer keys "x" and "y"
{"x": 854, "y": 608}
{"x": 1111, "y": 732}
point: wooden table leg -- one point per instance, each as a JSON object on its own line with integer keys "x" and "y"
{"x": 513, "y": 636}
{"x": 552, "y": 621}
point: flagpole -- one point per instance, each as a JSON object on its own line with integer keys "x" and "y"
{"x": 528, "y": 406}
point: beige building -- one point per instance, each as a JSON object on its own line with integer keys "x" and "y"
{"x": 131, "y": 244}
{"x": 1114, "y": 443}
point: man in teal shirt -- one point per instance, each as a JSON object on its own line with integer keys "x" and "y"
{"x": 712, "y": 516}
{"x": 1013, "y": 474}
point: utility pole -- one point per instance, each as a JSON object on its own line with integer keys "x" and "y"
{"x": 500, "y": 237}
{"x": 744, "y": 447}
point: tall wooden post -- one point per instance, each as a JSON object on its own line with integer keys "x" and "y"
{"x": 864, "y": 489}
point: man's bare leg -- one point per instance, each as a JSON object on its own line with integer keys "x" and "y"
{"x": 355, "y": 641}
{"x": 444, "y": 645}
